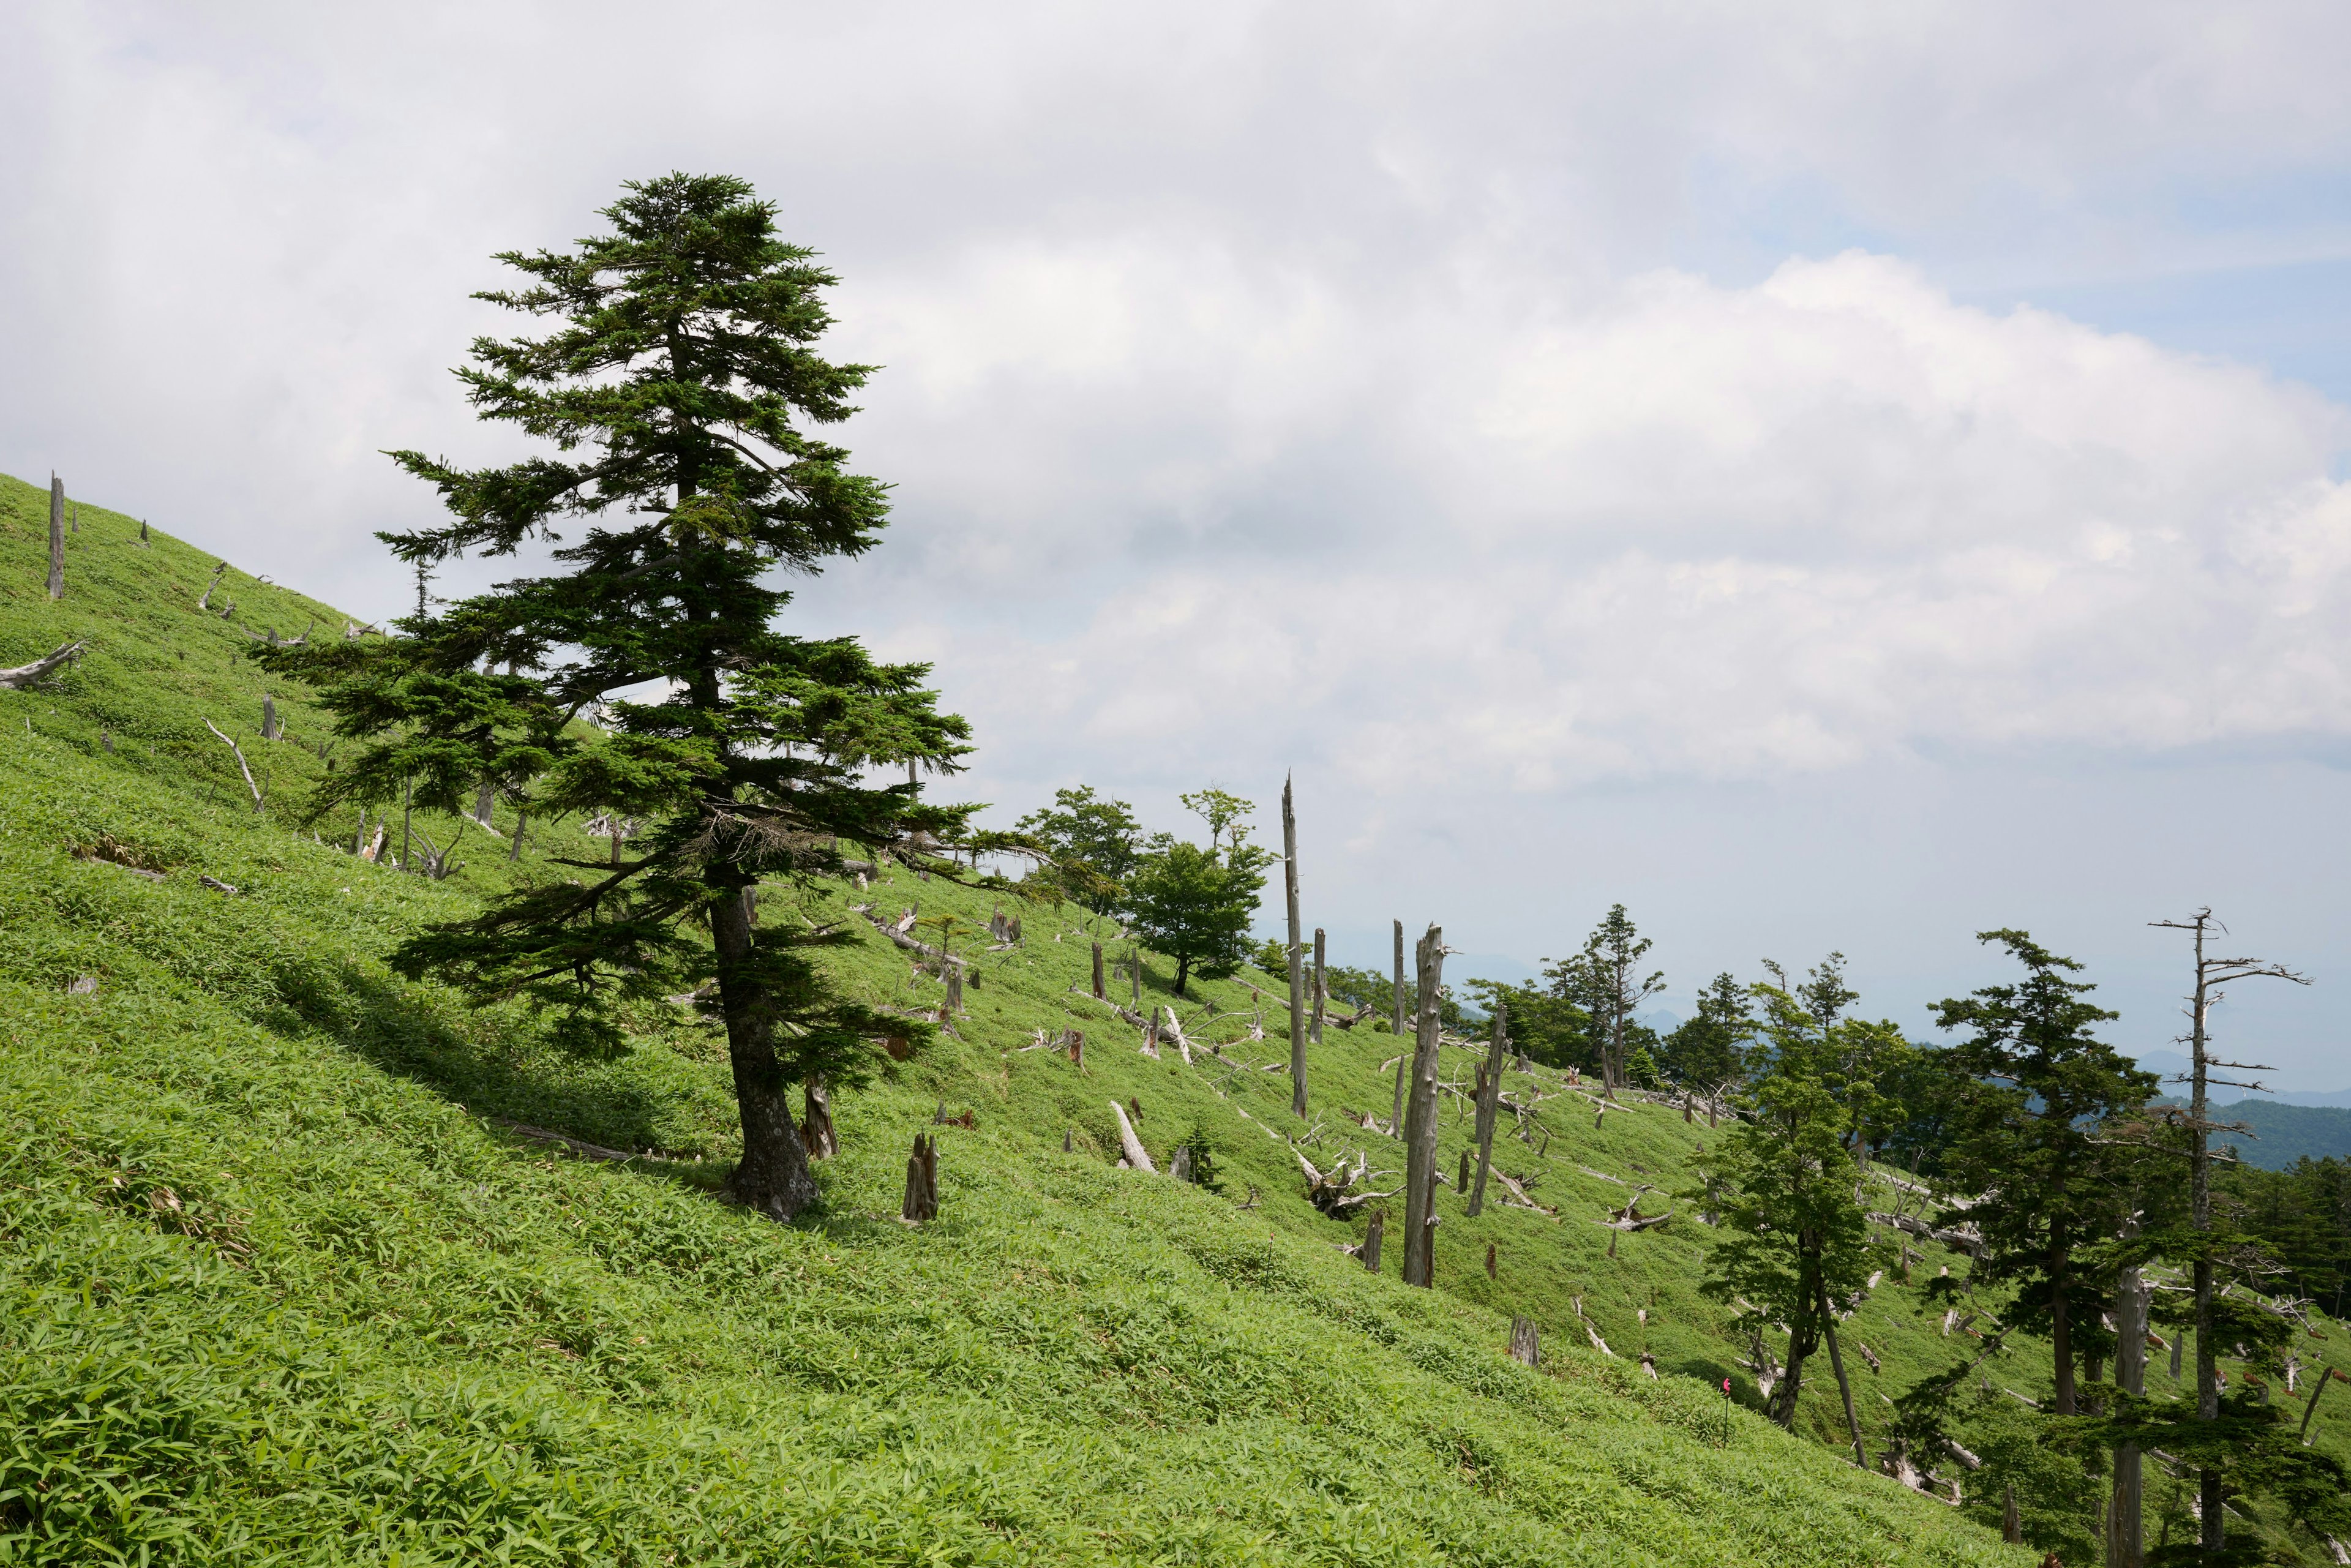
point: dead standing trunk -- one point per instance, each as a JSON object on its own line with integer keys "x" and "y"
{"x": 57, "y": 537}
{"x": 1322, "y": 991}
{"x": 1420, "y": 1120}
{"x": 2063, "y": 1399}
{"x": 2211, "y": 973}
{"x": 1837, "y": 1365}
{"x": 2125, "y": 1546}
{"x": 1490, "y": 1102}
{"x": 1297, "y": 997}
{"x": 1101, "y": 995}
{"x": 1395, "y": 1028}
{"x": 772, "y": 1176}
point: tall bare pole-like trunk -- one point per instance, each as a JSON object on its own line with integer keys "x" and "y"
{"x": 1321, "y": 990}
{"x": 2212, "y": 975}
{"x": 1395, "y": 1026}
{"x": 1490, "y": 1101}
{"x": 2125, "y": 1546}
{"x": 57, "y": 537}
{"x": 2060, "y": 1321}
{"x": 1837, "y": 1365}
{"x": 1297, "y": 991}
{"x": 1420, "y": 1120}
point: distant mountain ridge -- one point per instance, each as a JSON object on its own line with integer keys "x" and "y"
{"x": 2172, "y": 1064}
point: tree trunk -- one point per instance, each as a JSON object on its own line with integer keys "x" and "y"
{"x": 1490, "y": 1102}
{"x": 772, "y": 1176}
{"x": 1297, "y": 998}
{"x": 57, "y": 537}
{"x": 1137, "y": 1156}
{"x": 1526, "y": 1342}
{"x": 269, "y": 730}
{"x": 2200, "y": 1203}
{"x": 514, "y": 850}
{"x": 1371, "y": 1240}
{"x": 1183, "y": 974}
{"x": 1420, "y": 1118}
{"x": 407, "y": 816}
{"x": 2011, "y": 1529}
{"x": 1100, "y": 994}
{"x": 1837, "y": 1365}
{"x": 1395, "y": 1026}
{"x": 2061, "y": 1339}
{"x": 482, "y": 804}
{"x": 922, "y": 1202}
{"x": 1322, "y": 991}
{"x": 2125, "y": 1546}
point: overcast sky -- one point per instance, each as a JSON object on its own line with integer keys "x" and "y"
{"x": 1828, "y": 476}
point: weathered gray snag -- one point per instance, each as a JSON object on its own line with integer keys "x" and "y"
{"x": 1490, "y": 1102}
{"x": 1420, "y": 1120}
{"x": 56, "y": 537}
{"x": 2124, "y": 1541}
{"x": 1179, "y": 1164}
{"x": 955, "y": 995}
{"x": 817, "y": 1135}
{"x": 241, "y": 767}
{"x": 514, "y": 850}
{"x": 142, "y": 530}
{"x": 2212, "y": 975}
{"x": 1493, "y": 1259}
{"x": 1372, "y": 1239}
{"x": 218, "y": 571}
{"x": 1297, "y": 999}
{"x": 1837, "y": 1365}
{"x": 1101, "y": 995}
{"x": 1321, "y": 990}
{"x": 922, "y": 1182}
{"x": 269, "y": 730}
{"x": 74, "y": 526}
{"x": 1136, "y": 1155}
{"x": 1395, "y": 1026}
{"x": 24, "y": 675}
{"x": 1526, "y": 1342}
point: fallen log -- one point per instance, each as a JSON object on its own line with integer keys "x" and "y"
{"x": 1137, "y": 1156}
{"x": 24, "y": 675}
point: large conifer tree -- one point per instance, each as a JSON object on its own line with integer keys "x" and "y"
{"x": 678, "y": 388}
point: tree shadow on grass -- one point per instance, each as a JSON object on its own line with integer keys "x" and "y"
{"x": 403, "y": 1031}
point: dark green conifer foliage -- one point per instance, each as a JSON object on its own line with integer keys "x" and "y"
{"x": 678, "y": 388}
{"x": 2033, "y": 1090}
{"x": 1795, "y": 1237}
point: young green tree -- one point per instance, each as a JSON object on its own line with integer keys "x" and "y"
{"x": 1795, "y": 1240}
{"x": 1195, "y": 908}
{"x": 1710, "y": 1051}
{"x": 678, "y": 388}
{"x": 1544, "y": 1026}
{"x": 1605, "y": 982}
{"x": 1090, "y": 845}
{"x": 2032, "y": 1089}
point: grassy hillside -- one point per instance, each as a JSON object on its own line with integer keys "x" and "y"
{"x": 281, "y": 1281}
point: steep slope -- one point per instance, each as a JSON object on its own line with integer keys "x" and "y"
{"x": 282, "y": 1280}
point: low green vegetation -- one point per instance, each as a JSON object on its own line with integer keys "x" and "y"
{"x": 291, "y": 1275}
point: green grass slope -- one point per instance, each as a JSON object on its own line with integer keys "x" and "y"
{"x": 280, "y": 1281}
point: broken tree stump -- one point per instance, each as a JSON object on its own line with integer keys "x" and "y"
{"x": 1490, "y": 1102}
{"x": 922, "y": 1182}
{"x": 1100, "y": 994}
{"x": 1493, "y": 1259}
{"x": 56, "y": 537}
{"x": 817, "y": 1134}
{"x": 1526, "y": 1343}
{"x": 1372, "y": 1239}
